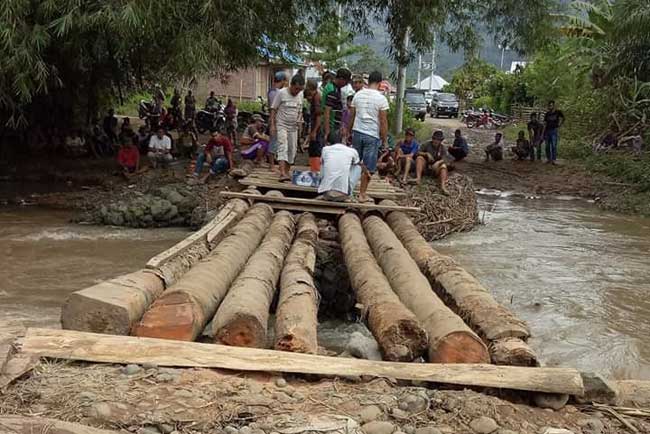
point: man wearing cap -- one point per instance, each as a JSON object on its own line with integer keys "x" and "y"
{"x": 431, "y": 158}
{"x": 286, "y": 118}
{"x": 405, "y": 153}
{"x": 333, "y": 105}
{"x": 254, "y": 142}
{"x": 358, "y": 83}
{"x": 369, "y": 120}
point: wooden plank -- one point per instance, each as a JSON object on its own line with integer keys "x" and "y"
{"x": 230, "y": 212}
{"x": 91, "y": 347}
{"x": 276, "y": 185}
{"x": 322, "y": 203}
{"x": 35, "y": 425}
{"x": 308, "y": 208}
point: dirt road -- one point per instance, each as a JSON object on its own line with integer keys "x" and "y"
{"x": 526, "y": 177}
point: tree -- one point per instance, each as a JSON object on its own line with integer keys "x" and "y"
{"x": 411, "y": 26}
{"x": 468, "y": 80}
{"x": 332, "y": 44}
{"x": 370, "y": 61}
{"x": 57, "y": 56}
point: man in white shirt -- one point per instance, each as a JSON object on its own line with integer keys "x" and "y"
{"x": 286, "y": 116}
{"x": 340, "y": 172}
{"x": 369, "y": 121}
{"x": 160, "y": 148}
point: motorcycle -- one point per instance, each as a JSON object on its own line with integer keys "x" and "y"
{"x": 148, "y": 111}
{"x": 244, "y": 117}
{"x": 210, "y": 119}
{"x": 476, "y": 119}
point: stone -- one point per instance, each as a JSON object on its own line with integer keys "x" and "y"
{"x": 230, "y": 430}
{"x": 166, "y": 428}
{"x": 378, "y": 427}
{"x": 554, "y": 401}
{"x": 399, "y": 414}
{"x": 131, "y": 369}
{"x": 148, "y": 365}
{"x": 165, "y": 378}
{"x": 99, "y": 411}
{"x": 87, "y": 396}
{"x": 597, "y": 389}
{"x": 408, "y": 429}
{"x": 483, "y": 425}
{"x": 149, "y": 430}
{"x": 591, "y": 426}
{"x": 298, "y": 396}
{"x": 506, "y": 431}
{"x": 416, "y": 403}
{"x": 403, "y": 405}
{"x": 370, "y": 413}
{"x": 280, "y": 382}
{"x": 428, "y": 430}
{"x": 363, "y": 347}
{"x": 245, "y": 430}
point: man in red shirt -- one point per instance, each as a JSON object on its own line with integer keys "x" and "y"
{"x": 217, "y": 153}
{"x": 128, "y": 156}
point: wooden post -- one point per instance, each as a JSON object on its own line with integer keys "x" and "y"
{"x": 297, "y": 313}
{"x": 396, "y": 329}
{"x": 450, "y": 340}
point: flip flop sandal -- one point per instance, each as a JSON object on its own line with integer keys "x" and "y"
{"x": 285, "y": 179}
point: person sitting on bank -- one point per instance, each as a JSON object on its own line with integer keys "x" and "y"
{"x": 160, "y": 148}
{"x": 522, "y": 149}
{"x": 460, "y": 149}
{"x": 75, "y": 144}
{"x": 340, "y": 172}
{"x": 254, "y": 142}
{"x": 128, "y": 157}
{"x": 431, "y": 159}
{"x": 217, "y": 153}
{"x": 405, "y": 152}
{"x": 188, "y": 141}
{"x": 495, "y": 149}
{"x": 385, "y": 161}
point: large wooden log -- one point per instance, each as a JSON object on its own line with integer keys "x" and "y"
{"x": 41, "y": 425}
{"x": 184, "y": 309}
{"x": 450, "y": 340}
{"x": 171, "y": 264}
{"x": 296, "y": 317}
{"x": 243, "y": 316}
{"x": 396, "y": 329}
{"x": 73, "y": 345}
{"x": 113, "y": 306}
{"x": 513, "y": 352}
{"x": 462, "y": 291}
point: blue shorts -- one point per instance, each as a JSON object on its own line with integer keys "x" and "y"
{"x": 368, "y": 149}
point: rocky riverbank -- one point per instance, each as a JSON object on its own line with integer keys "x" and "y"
{"x": 151, "y": 400}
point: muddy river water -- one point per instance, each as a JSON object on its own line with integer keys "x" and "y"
{"x": 579, "y": 276}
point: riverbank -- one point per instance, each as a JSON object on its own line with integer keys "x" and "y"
{"x": 152, "y": 400}
{"x": 574, "y": 175}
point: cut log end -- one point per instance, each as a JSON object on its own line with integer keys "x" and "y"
{"x": 512, "y": 352}
{"x": 404, "y": 341}
{"x": 459, "y": 347}
{"x": 244, "y": 331}
{"x": 294, "y": 344}
{"x": 173, "y": 316}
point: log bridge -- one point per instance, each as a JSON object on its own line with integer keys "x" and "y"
{"x": 222, "y": 281}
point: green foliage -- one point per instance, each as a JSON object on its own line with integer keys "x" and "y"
{"x": 469, "y": 80}
{"x": 369, "y": 62}
{"x": 332, "y": 44}
{"x": 408, "y": 120}
{"x": 249, "y": 106}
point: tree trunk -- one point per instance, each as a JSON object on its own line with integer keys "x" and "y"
{"x": 462, "y": 291}
{"x": 401, "y": 83}
{"x": 113, "y": 306}
{"x": 297, "y": 312}
{"x": 396, "y": 329}
{"x": 512, "y": 352}
{"x": 184, "y": 309}
{"x": 450, "y": 340}
{"x": 243, "y": 316}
